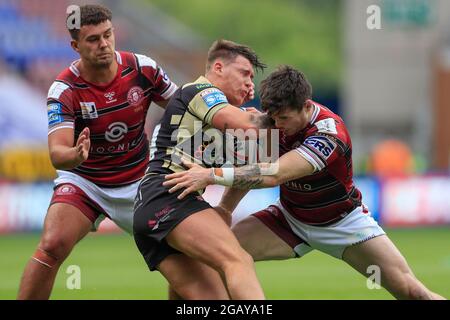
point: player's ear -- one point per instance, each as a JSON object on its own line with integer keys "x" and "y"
{"x": 74, "y": 45}
{"x": 218, "y": 66}
{"x": 308, "y": 104}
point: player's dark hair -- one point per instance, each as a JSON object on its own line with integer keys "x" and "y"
{"x": 229, "y": 50}
{"x": 90, "y": 14}
{"x": 285, "y": 87}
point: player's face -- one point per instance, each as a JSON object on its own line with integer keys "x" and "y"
{"x": 96, "y": 44}
{"x": 290, "y": 121}
{"x": 237, "y": 80}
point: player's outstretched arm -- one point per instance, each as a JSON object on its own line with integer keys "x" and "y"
{"x": 232, "y": 117}
{"x": 63, "y": 153}
{"x": 290, "y": 166}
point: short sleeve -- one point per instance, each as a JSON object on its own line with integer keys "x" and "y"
{"x": 323, "y": 144}
{"x": 207, "y": 103}
{"x": 163, "y": 86}
{"x": 60, "y": 110}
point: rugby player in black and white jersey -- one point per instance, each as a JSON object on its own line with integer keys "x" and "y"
{"x": 186, "y": 238}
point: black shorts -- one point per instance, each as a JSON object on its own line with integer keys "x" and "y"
{"x": 156, "y": 213}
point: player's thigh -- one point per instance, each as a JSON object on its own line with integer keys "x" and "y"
{"x": 206, "y": 237}
{"x": 64, "y": 225}
{"x": 260, "y": 241}
{"x": 191, "y": 279}
{"x": 378, "y": 252}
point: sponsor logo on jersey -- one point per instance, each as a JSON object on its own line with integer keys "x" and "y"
{"x": 54, "y": 111}
{"x": 203, "y": 85}
{"x": 116, "y": 131}
{"x": 213, "y": 97}
{"x": 135, "y": 96}
{"x": 88, "y": 110}
{"x": 322, "y": 145}
{"x": 110, "y": 97}
{"x": 298, "y": 186}
{"x": 326, "y": 126}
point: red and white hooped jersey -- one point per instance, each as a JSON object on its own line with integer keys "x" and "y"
{"x": 329, "y": 193}
{"x": 115, "y": 114}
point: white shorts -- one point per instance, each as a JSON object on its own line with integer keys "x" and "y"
{"x": 115, "y": 203}
{"x": 356, "y": 227}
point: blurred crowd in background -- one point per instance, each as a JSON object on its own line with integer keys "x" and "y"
{"x": 390, "y": 85}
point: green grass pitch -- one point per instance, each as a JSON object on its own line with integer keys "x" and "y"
{"x": 112, "y": 268}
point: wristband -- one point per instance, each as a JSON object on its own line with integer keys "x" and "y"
{"x": 223, "y": 176}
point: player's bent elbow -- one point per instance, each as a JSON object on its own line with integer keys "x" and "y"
{"x": 58, "y": 163}
{"x": 271, "y": 181}
{"x": 59, "y": 166}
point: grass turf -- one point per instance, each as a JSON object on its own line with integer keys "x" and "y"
{"x": 112, "y": 268}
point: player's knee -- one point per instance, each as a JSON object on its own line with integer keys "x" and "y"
{"x": 238, "y": 260}
{"x": 246, "y": 258}
{"x": 44, "y": 258}
{"x": 56, "y": 247}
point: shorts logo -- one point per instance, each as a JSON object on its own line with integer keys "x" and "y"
{"x": 213, "y": 97}
{"x": 88, "y": 110}
{"x": 54, "y": 111}
{"x": 116, "y": 131}
{"x": 161, "y": 216}
{"x": 151, "y": 223}
{"x": 135, "y": 96}
{"x": 65, "y": 189}
{"x": 321, "y": 145}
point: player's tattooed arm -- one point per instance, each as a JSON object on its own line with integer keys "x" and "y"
{"x": 289, "y": 167}
{"x": 248, "y": 177}
{"x": 197, "y": 178}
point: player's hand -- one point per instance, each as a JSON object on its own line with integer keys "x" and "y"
{"x": 196, "y": 178}
{"x": 82, "y": 146}
{"x": 252, "y": 110}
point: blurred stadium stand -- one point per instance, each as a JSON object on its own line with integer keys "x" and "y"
{"x": 35, "y": 42}
{"x": 393, "y": 76}
{"x": 29, "y": 39}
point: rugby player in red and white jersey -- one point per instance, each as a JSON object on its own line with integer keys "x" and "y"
{"x": 96, "y": 114}
{"x": 319, "y": 206}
